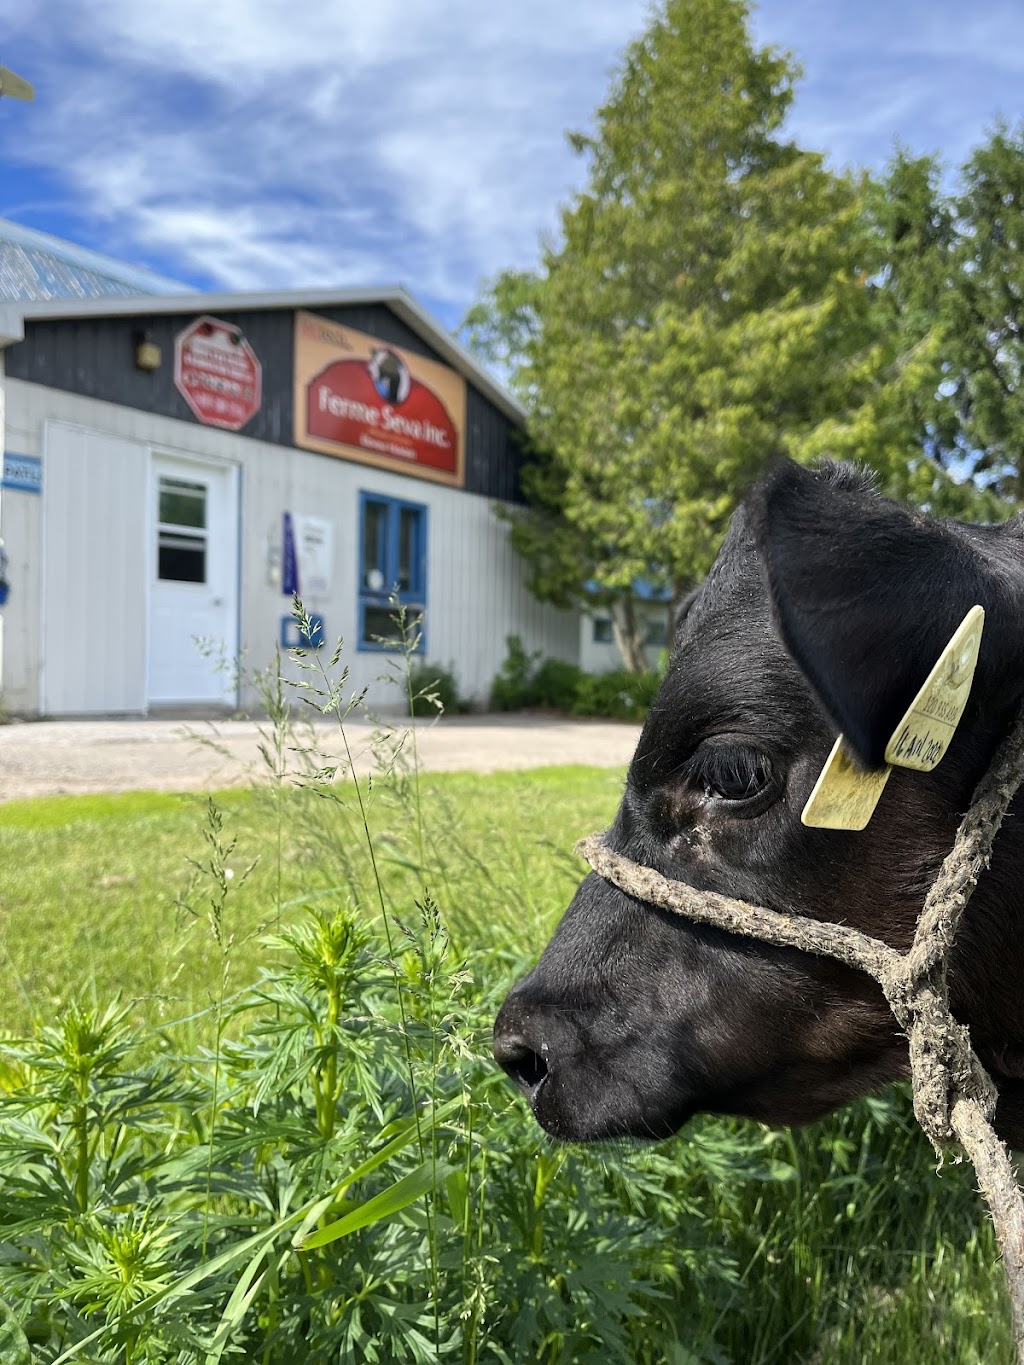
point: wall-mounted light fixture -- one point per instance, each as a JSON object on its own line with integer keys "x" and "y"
{"x": 147, "y": 353}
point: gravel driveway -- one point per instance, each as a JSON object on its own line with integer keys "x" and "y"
{"x": 49, "y": 757}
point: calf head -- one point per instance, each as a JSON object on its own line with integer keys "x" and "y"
{"x": 825, "y": 610}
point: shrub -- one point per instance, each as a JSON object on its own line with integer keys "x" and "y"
{"x": 524, "y": 682}
{"x": 433, "y": 690}
{"x": 620, "y": 695}
{"x": 513, "y": 689}
{"x": 555, "y": 684}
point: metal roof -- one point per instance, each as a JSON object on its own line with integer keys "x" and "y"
{"x": 36, "y": 266}
{"x": 14, "y": 314}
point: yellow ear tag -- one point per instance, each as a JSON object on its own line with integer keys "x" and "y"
{"x": 845, "y": 795}
{"x": 924, "y": 733}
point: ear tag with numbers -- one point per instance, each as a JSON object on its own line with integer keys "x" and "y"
{"x": 924, "y": 733}
{"x": 845, "y": 795}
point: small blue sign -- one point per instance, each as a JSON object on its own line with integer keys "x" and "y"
{"x": 22, "y": 472}
{"x": 294, "y": 637}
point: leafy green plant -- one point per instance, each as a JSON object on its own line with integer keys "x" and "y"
{"x": 556, "y": 684}
{"x": 524, "y": 681}
{"x": 621, "y": 695}
{"x": 433, "y": 691}
{"x": 512, "y": 688}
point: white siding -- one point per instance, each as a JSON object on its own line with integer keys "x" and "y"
{"x": 475, "y": 583}
{"x": 21, "y": 528}
{"x": 94, "y": 573}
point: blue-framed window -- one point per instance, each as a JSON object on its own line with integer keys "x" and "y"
{"x": 392, "y": 560}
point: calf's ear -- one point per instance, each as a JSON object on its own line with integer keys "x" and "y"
{"x": 865, "y": 593}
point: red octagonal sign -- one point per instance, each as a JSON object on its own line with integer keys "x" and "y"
{"x": 217, "y": 373}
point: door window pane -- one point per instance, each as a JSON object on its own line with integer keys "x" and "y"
{"x": 181, "y": 531}
{"x": 181, "y": 559}
{"x": 182, "y": 504}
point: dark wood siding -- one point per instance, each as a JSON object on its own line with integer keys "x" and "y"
{"x": 96, "y": 357}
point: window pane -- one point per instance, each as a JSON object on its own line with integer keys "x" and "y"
{"x": 377, "y": 622}
{"x": 374, "y": 573}
{"x": 657, "y": 632}
{"x": 603, "y": 634}
{"x": 408, "y": 539}
{"x": 182, "y": 504}
{"x": 181, "y": 559}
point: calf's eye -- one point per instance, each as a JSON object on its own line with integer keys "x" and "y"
{"x": 732, "y": 772}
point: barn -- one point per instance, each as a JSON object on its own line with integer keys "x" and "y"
{"x": 177, "y": 465}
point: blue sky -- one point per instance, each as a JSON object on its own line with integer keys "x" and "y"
{"x": 272, "y": 143}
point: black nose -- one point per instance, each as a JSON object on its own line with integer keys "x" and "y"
{"x": 517, "y": 1058}
{"x": 533, "y": 1038}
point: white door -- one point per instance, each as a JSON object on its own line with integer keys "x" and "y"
{"x": 193, "y": 602}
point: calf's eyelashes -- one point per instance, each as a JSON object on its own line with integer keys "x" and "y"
{"x": 731, "y": 772}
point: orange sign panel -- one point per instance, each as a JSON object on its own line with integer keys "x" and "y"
{"x": 363, "y": 399}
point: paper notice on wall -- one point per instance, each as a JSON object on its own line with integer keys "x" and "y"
{"x": 314, "y": 538}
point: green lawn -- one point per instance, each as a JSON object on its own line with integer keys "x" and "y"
{"x": 88, "y": 885}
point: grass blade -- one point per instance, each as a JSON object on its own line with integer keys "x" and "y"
{"x": 384, "y": 1205}
{"x": 237, "y": 1307}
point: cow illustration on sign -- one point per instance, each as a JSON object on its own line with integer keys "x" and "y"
{"x": 390, "y": 375}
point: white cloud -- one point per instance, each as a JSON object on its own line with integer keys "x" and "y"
{"x": 269, "y": 144}
{"x": 259, "y": 143}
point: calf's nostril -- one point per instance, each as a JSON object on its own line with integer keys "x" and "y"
{"x": 515, "y": 1056}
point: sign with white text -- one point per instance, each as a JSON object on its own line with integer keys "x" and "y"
{"x": 23, "y": 473}
{"x": 364, "y": 399}
{"x": 217, "y": 373}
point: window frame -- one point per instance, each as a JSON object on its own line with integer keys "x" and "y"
{"x": 414, "y": 598}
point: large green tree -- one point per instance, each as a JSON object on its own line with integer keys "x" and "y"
{"x": 955, "y": 275}
{"x": 706, "y": 304}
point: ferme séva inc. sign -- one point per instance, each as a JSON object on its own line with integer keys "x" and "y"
{"x": 364, "y": 399}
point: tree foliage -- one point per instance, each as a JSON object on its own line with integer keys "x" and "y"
{"x": 706, "y": 304}
{"x": 956, "y": 278}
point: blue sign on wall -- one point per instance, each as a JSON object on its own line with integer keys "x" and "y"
{"x": 22, "y": 472}
{"x": 294, "y": 637}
